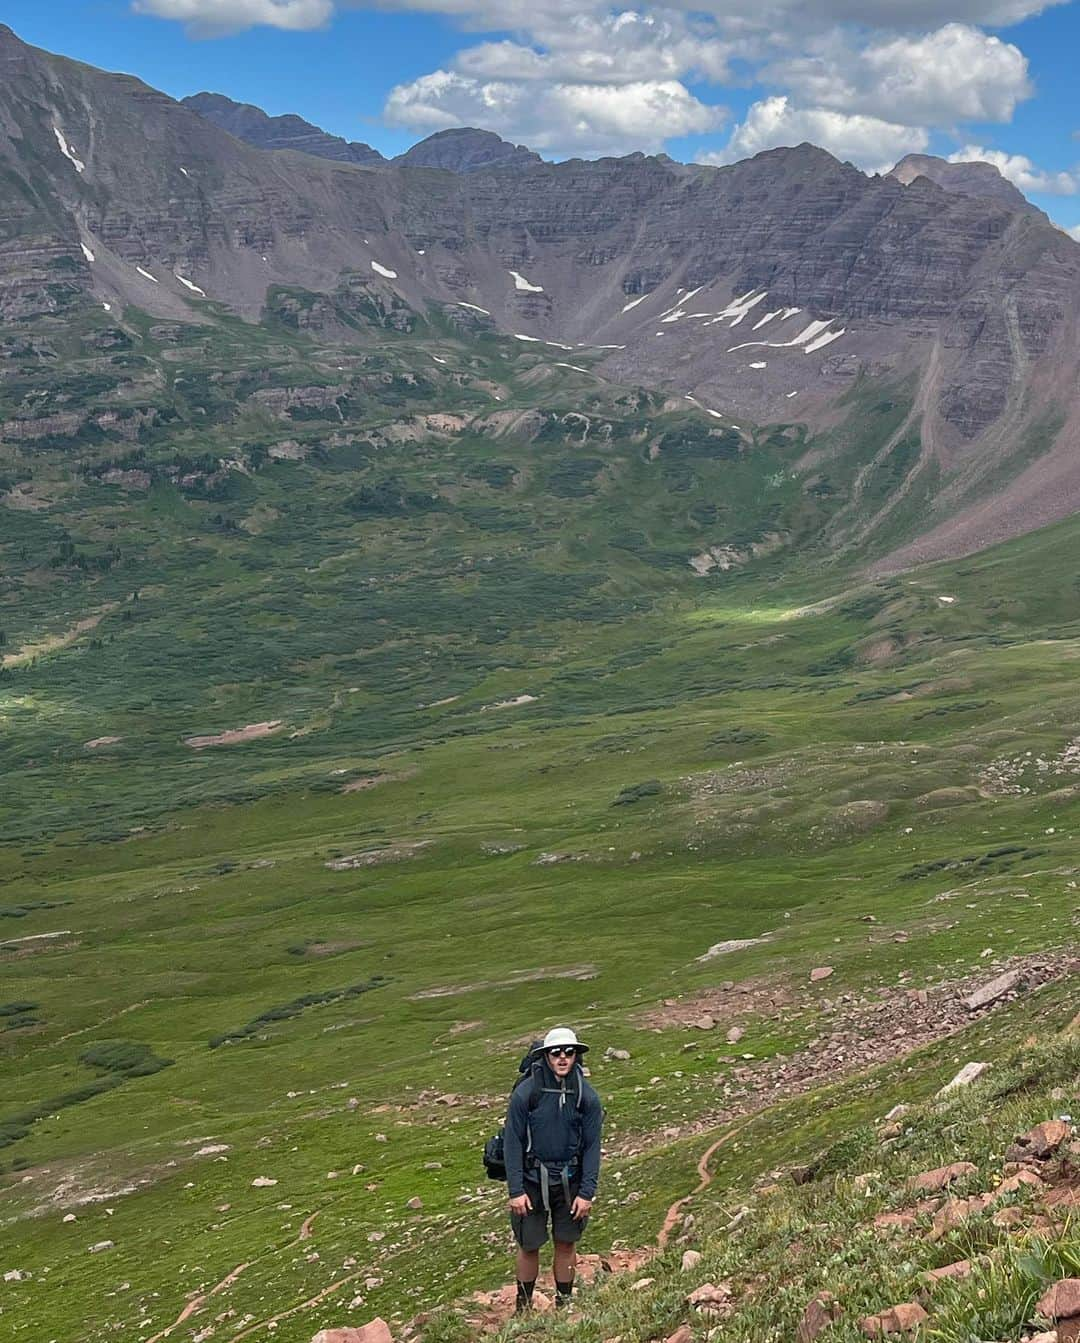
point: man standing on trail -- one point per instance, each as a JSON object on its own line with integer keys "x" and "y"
{"x": 552, "y": 1149}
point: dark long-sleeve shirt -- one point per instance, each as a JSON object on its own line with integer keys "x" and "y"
{"x": 562, "y": 1132}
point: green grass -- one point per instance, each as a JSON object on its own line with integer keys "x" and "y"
{"x": 584, "y": 766}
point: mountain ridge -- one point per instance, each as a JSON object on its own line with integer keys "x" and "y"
{"x": 638, "y": 256}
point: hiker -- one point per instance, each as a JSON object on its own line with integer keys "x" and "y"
{"x": 552, "y": 1152}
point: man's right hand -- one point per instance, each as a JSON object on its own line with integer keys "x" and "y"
{"x": 521, "y": 1205}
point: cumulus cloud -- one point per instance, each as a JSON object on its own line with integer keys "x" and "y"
{"x": 560, "y": 118}
{"x": 956, "y": 73}
{"x": 1020, "y": 170}
{"x": 606, "y": 48}
{"x": 870, "y": 142}
{"x": 1074, "y": 232}
{"x": 215, "y": 18}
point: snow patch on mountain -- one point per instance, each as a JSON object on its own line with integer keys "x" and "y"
{"x": 146, "y": 274}
{"x": 634, "y": 302}
{"x": 67, "y": 151}
{"x": 87, "y": 252}
{"x": 524, "y": 285}
{"x": 384, "y": 271}
{"x": 808, "y": 333}
{"x": 188, "y": 284}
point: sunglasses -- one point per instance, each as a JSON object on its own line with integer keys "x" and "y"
{"x": 562, "y": 1051}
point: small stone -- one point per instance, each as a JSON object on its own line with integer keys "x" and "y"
{"x": 822, "y": 1311}
{"x": 16, "y": 1275}
{"x": 415, "y": 1204}
{"x": 690, "y": 1259}
{"x": 621, "y": 1055}
{"x": 263, "y": 1182}
{"x": 102, "y": 1245}
{"x": 70, "y": 1217}
{"x": 681, "y": 1335}
{"x": 641, "y": 1284}
{"x": 703, "y": 1022}
{"x": 960, "y": 1269}
{"x": 735, "y": 1035}
{"x": 819, "y": 973}
{"x": 902, "y": 1319}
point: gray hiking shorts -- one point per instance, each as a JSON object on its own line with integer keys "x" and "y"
{"x": 531, "y": 1231}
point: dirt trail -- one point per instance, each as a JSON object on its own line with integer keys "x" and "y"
{"x": 672, "y": 1216}
{"x": 197, "y": 1302}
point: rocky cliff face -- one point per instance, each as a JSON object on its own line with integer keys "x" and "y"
{"x": 254, "y": 126}
{"x": 765, "y": 290}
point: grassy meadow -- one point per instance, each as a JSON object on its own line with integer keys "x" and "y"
{"x": 518, "y": 763}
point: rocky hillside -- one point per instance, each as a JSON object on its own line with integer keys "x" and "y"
{"x": 766, "y": 290}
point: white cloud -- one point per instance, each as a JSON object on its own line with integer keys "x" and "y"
{"x": 1020, "y": 170}
{"x": 607, "y": 48}
{"x": 869, "y": 142}
{"x": 956, "y": 73}
{"x": 559, "y": 118}
{"x": 1074, "y": 232}
{"x": 215, "y": 18}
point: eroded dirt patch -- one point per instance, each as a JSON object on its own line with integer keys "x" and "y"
{"x": 235, "y": 735}
{"x": 391, "y": 853}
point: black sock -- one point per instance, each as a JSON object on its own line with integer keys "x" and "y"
{"x": 524, "y": 1294}
{"x": 563, "y": 1290}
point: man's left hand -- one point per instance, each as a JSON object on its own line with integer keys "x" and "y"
{"x": 580, "y": 1208}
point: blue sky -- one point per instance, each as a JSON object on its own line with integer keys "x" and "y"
{"x": 867, "y": 79}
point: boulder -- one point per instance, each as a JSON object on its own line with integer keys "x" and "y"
{"x": 902, "y": 1319}
{"x": 711, "y": 1299}
{"x": 378, "y": 1331}
{"x": 1041, "y": 1142}
{"x": 930, "y": 1181}
{"x": 1062, "y": 1301}
{"x": 991, "y": 992}
{"x": 703, "y": 1022}
{"x": 822, "y": 1311}
{"x": 969, "y": 1073}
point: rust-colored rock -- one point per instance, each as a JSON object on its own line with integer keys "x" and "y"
{"x": 1012, "y": 1184}
{"x": 961, "y": 1269}
{"x": 902, "y": 1319}
{"x": 818, "y": 1315}
{"x": 378, "y": 1331}
{"x": 1062, "y": 1301}
{"x": 1041, "y": 1142}
{"x": 930, "y": 1181}
{"x": 894, "y": 1223}
{"x": 819, "y": 973}
{"x": 711, "y": 1299}
{"x": 957, "y": 1211}
{"x": 681, "y": 1335}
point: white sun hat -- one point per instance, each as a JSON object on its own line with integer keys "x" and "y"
{"x": 563, "y": 1035}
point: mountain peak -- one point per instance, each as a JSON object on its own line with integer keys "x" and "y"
{"x": 972, "y": 178}
{"x": 258, "y": 128}
{"x": 467, "y": 149}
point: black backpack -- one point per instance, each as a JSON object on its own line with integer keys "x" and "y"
{"x": 494, "y": 1148}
